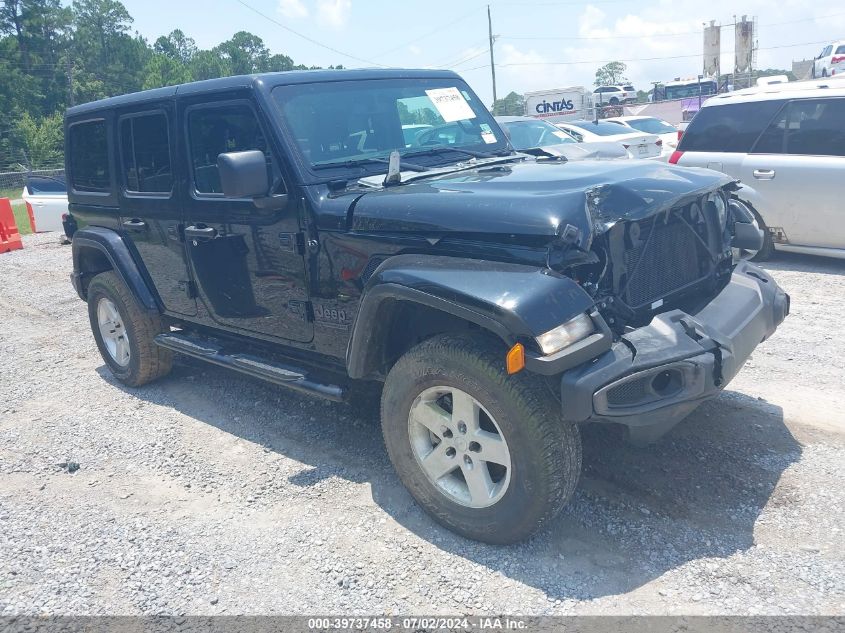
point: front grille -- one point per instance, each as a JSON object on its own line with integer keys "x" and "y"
{"x": 660, "y": 263}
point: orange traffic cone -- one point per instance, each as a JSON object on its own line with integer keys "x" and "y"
{"x": 10, "y": 238}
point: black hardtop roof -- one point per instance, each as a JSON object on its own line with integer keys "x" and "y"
{"x": 270, "y": 80}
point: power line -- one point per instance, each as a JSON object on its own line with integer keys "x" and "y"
{"x": 430, "y": 33}
{"x": 465, "y": 59}
{"x": 639, "y": 59}
{"x": 637, "y": 37}
{"x": 473, "y": 46}
{"x": 305, "y": 37}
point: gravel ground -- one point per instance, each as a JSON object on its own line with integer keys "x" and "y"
{"x": 209, "y": 493}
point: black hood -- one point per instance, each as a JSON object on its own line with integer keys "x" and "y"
{"x": 532, "y": 199}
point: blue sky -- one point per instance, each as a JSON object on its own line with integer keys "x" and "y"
{"x": 541, "y": 44}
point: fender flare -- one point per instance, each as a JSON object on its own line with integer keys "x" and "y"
{"x": 111, "y": 244}
{"x": 515, "y": 302}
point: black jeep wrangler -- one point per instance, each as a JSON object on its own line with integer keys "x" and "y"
{"x": 319, "y": 228}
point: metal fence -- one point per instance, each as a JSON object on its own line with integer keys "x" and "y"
{"x": 15, "y": 179}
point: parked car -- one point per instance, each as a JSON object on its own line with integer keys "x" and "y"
{"x": 831, "y": 61}
{"x": 542, "y": 139}
{"x": 48, "y": 198}
{"x": 786, "y": 143}
{"x": 641, "y": 145}
{"x": 497, "y": 302}
{"x": 667, "y": 132}
{"x": 614, "y": 95}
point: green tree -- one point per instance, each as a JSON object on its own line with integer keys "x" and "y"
{"x": 245, "y": 52}
{"x": 107, "y": 59}
{"x": 162, "y": 70}
{"x": 177, "y": 46}
{"x": 511, "y": 105}
{"x": 41, "y": 140}
{"x": 209, "y": 65}
{"x": 611, "y": 74}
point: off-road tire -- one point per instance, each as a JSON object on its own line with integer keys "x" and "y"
{"x": 545, "y": 451}
{"x": 147, "y": 361}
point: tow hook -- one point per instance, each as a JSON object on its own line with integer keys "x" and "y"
{"x": 709, "y": 345}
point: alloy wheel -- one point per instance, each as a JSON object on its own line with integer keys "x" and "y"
{"x": 459, "y": 447}
{"x": 112, "y": 332}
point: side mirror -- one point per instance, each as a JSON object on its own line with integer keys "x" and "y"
{"x": 243, "y": 174}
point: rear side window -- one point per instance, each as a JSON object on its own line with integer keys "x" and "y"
{"x": 728, "y": 128}
{"x": 808, "y": 127}
{"x": 145, "y": 154}
{"x": 215, "y": 131}
{"x": 89, "y": 157}
{"x": 840, "y": 50}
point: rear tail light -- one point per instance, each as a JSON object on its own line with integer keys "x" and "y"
{"x": 680, "y": 135}
{"x": 64, "y": 217}
{"x": 675, "y": 157}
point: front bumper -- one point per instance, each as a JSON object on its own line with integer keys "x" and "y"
{"x": 658, "y": 374}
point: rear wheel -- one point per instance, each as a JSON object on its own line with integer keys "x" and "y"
{"x": 485, "y": 453}
{"x": 124, "y": 332}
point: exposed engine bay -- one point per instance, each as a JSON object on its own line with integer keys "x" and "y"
{"x": 679, "y": 258}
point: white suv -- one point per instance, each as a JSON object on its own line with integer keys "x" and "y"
{"x": 786, "y": 144}
{"x": 831, "y": 61}
{"x": 614, "y": 95}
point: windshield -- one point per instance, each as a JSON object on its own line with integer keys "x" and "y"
{"x": 602, "y": 128}
{"x": 337, "y": 123}
{"x": 531, "y": 134}
{"x": 652, "y": 126}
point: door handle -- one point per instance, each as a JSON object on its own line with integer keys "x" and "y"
{"x": 764, "y": 174}
{"x": 200, "y": 234}
{"x": 135, "y": 224}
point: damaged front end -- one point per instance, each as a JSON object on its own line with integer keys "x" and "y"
{"x": 685, "y": 317}
{"x": 645, "y": 256}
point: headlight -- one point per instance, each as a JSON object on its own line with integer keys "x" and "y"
{"x": 565, "y": 335}
{"x": 718, "y": 201}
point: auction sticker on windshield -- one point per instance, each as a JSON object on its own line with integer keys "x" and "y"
{"x": 487, "y": 134}
{"x": 450, "y": 103}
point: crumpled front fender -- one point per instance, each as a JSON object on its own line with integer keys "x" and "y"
{"x": 514, "y": 302}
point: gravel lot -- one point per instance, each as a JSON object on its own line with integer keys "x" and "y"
{"x": 209, "y": 493}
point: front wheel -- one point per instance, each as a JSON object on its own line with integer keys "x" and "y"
{"x": 485, "y": 453}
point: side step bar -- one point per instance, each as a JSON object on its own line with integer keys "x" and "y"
{"x": 268, "y": 370}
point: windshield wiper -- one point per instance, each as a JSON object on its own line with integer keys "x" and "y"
{"x": 466, "y": 152}
{"x": 360, "y": 162}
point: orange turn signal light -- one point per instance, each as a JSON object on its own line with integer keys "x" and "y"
{"x": 515, "y": 359}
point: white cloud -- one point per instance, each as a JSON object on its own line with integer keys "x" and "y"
{"x": 293, "y": 9}
{"x": 334, "y": 13}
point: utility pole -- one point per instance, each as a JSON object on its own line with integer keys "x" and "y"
{"x": 492, "y": 63}
{"x": 70, "y": 97}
